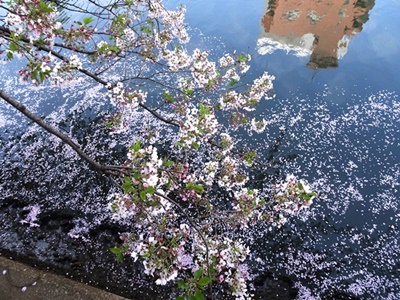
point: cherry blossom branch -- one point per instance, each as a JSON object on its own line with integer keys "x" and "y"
{"x": 92, "y": 75}
{"x": 189, "y": 219}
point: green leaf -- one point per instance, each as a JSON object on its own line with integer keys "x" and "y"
{"x": 136, "y": 175}
{"x": 199, "y": 295}
{"x": 195, "y": 145}
{"x": 232, "y": 82}
{"x": 34, "y": 75}
{"x": 127, "y": 185}
{"x": 188, "y": 92}
{"x": 180, "y": 298}
{"x": 136, "y": 146}
{"x": 300, "y": 186}
{"x": 182, "y": 284}
{"x": 204, "y": 110}
{"x": 45, "y": 8}
{"x": 13, "y": 46}
{"x": 118, "y": 253}
{"x": 198, "y": 189}
{"x": 41, "y": 76}
{"x": 204, "y": 281}
{"x": 114, "y": 207}
{"x": 242, "y": 58}
{"x": 168, "y": 97}
{"x": 146, "y": 30}
{"x": 143, "y": 195}
{"x": 198, "y": 274}
{"x": 114, "y": 49}
{"x": 150, "y": 190}
{"x": 211, "y": 269}
{"x": 168, "y": 163}
{"x": 10, "y": 55}
{"x": 115, "y": 250}
{"x": 87, "y": 20}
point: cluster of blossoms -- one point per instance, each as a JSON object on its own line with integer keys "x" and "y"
{"x": 185, "y": 84}
{"x": 121, "y": 97}
{"x": 230, "y": 175}
{"x": 232, "y": 76}
{"x": 227, "y": 61}
{"x": 106, "y": 50}
{"x": 49, "y": 67}
{"x": 174, "y": 20}
{"x": 15, "y": 22}
{"x": 258, "y": 126}
{"x": 260, "y": 87}
{"x": 75, "y": 62}
{"x": 226, "y": 143}
{"x": 121, "y": 206}
{"x": 34, "y": 20}
{"x": 243, "y": 66}
{"x": 247, "y": 207}
{"x": 146, "y": 163}
{"x": 204, "y": 72}
{"x": 209, "y": 171}
{"x": 290, "y": 196}
{"x": 228, "y": 260}
{"x": 177, "y": 59}
{"x": 161, "y": 247}
{"x": 126, "y": 40}
{"x": 199, "y": 125}
{"x": 232, "y": 100}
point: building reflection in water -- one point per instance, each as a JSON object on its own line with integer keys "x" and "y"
{"x": 321, "y": 29}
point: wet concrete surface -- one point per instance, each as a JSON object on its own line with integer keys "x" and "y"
{"x": 21, "y": 282}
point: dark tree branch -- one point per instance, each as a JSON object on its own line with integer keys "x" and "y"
{"x": 110, "y": 170}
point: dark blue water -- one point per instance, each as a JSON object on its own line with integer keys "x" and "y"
{"x": 343, "y": 122}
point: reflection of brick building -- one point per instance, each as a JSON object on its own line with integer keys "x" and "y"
{"x": 322, "y": 27}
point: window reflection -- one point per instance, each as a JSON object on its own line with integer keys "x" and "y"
{"x": 321, "y": 29}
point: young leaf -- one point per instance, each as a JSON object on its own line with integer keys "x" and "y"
{"x": 182, "y": 284}
{"x": 232, "y": 82}
{"x": 198, "y": 274}
{"x": 13, "y": 46}
{"x": 168, "y": 163}
{"x": 168, "y": 97}
{"x": 136, "y": 146}
{"x": 118, "y": 253}
{"x": 150, "y": 190}
{"x": 127, "y": 185}
{"x": 211, "y": 269}
{"x": 87, "y": 20}
{"x": 199, "y": 295}
{"x": 41, "y": 76}
{"x": 10, "y": 56}
{"x": 198, "y": 189}
{"x": 204, "y": 281}
{"x": 300, "y": 186}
